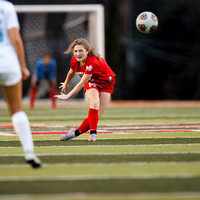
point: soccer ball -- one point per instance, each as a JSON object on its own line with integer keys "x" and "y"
{"x": 147, "y": 22}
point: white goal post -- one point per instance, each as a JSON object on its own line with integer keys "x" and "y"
{"x": 96, "y": 19}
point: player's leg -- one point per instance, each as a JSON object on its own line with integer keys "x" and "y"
{"x": 52, "y": 92}
{"x": 104, "y": 101}
{"x": 105, "y": 95}
{"x": 90, "y": 123}
{"x": 33, "y": 95}
{"x": 33, "y": 90}
{"x": 85, "y": 126}
{"x": 93, "y": 118}
{"x": 13, "y": 97}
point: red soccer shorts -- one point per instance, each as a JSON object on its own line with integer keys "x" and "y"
{"x": 105, "y": 87}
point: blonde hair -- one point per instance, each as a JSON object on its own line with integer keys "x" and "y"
{"x": 84, "y": 42}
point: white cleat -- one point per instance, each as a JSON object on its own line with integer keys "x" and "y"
{"x": 92, "y": 138}
{"x": 69, "y": 135}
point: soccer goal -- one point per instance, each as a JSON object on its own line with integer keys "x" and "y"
{"x": 49, "y": 29}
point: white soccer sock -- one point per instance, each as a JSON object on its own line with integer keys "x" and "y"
{"x": 22, "y": 128}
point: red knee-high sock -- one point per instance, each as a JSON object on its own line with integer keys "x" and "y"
{"x": 93, "y": 119}
{"x": 33, "y": 94}
{"x": 52, "y": 93}
{"x": 84, "y": 126}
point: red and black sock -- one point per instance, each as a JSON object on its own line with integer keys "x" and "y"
{"x": 90, "y": 123}
{"x": 84, "y": 126}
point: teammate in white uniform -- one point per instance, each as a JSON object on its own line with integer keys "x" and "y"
{"x": 13, "y": 70}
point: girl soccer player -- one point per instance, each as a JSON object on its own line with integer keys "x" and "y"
{"x": 45, "y": 69}
{"x": 13, "y": 70}
{"x": 98, "y": 80}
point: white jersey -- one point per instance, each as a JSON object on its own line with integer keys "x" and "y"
{"x": 9, "y": 62}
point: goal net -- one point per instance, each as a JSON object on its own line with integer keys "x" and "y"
{"x": 49, "y": 29}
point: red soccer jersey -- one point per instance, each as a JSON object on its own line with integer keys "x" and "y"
{"x": 100, "y": 70}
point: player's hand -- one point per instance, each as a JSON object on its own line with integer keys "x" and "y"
{"x": 62, "y": 96}
{"x": 25, "y": 73}
{"x": 64, "y": 86}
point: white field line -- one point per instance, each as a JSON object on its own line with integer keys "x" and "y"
{"x": 92, "y": 146}
{"x": 156, "y": 131}
{"x": 94, "y": 154}
{"x": 142, "y": 195}
{"x": 7, "y": 134}
{"x": 96, "y": 177}
{"x": 152, "y": 127}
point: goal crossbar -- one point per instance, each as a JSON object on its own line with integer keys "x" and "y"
{"x": 96, "y": 19}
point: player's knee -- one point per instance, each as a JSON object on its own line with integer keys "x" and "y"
{"x": 94, "y": 103}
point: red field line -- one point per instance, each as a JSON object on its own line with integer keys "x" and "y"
{"x": 181, "y": 125}
{"x": 105, "y": 132}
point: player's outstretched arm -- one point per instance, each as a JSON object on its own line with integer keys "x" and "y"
{"x": 65, "y": 85}
{"x": 76, "y": 89}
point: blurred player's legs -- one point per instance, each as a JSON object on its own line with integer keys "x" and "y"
{"x": 13, "y": 96}
{"x": 34, "y": 90}
{"x": 22, "y": 128}
{"x": 52, "y": 93}
{"x": 33, "y": 95}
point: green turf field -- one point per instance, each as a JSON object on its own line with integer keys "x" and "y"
{"x": 142, "y": 153}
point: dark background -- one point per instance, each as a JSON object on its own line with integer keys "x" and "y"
{"x": 163, "y": 65}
